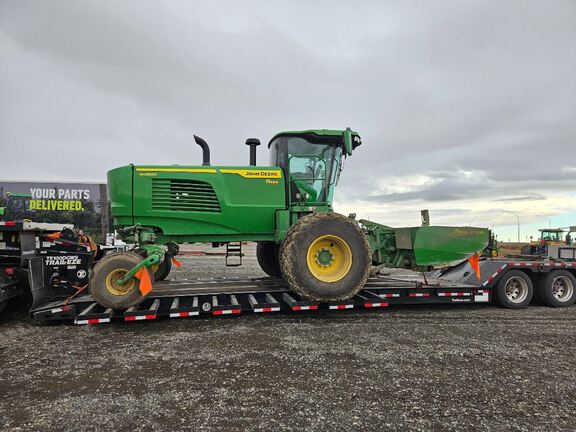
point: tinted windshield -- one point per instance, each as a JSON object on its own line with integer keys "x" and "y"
{"x": 313, "y": 168}
{"x": 551, "y": 235}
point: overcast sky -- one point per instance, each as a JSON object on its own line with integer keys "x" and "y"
{"x": 467, "y": 108}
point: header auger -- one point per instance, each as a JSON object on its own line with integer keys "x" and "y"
{"x": 285, "y": 207}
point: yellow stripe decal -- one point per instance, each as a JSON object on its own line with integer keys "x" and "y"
{"x": 176, "y": 170}
{"x": 262, "y": 174}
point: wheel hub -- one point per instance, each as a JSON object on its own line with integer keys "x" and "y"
{"x": 329, "y": 258}
{"x": 516, "y": 290}
{"x": 112, "y": 282}
{"x": 324, "y": 257}
{"x": 562, "y": 288}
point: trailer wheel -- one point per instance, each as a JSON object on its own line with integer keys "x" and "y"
{"x": 107, "y": 271}
{"x": 557, "y": 288}
{"x": 515, "y": 290}
{"x": 267, "y": 255}
{"x": 325, "y": 256}
{"x": 3, "y": 305}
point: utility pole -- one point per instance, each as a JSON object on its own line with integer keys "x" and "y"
{"x": 517, "y": 221}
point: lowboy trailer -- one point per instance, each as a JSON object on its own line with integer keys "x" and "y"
{"x": 512, "y": 284}
{"x": 54, "y": 269}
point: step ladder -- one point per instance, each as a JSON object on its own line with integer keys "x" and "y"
{"x": 233, "y": 254}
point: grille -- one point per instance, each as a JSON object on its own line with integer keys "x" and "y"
{"x": 184, "y": 195}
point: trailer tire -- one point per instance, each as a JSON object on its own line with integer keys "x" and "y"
{"x": 3, "y": 305}
{"x": 557, "y": 288}
{"x": 514, "y": 290}
{"x": 267, "y": 255}
{"x": 113, "y": 267}
{"x": 325, "y": 257}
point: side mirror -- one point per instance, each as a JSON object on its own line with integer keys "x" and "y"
{"x": 348, "y": 141}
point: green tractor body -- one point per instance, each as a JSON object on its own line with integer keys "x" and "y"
{"x": 199, "y": 204}
{"x": 285, "y": 207}
{"x": 223, "y": 204}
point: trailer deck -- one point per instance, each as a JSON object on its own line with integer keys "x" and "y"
{"x": 234, "y": 296}
{"x": 186, "y": 298}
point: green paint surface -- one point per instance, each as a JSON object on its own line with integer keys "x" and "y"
{"x": 198, "y": 206}
{"x": 438, "y": 245}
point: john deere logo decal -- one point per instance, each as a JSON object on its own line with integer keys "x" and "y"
{"x": 262, "y": 174}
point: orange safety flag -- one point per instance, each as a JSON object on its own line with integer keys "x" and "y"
{"x": 176, "y": 262}
{"x": 475, "y": 263}
{"x": 145, "y": 282}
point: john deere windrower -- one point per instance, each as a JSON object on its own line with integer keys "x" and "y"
{"x": 285, "y": 207}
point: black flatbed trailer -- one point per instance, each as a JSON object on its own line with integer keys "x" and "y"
{"x": 234, "y": 296}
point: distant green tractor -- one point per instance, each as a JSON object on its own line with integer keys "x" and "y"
{"x": 285, "y": 207}
{"x": 17, "y": 207}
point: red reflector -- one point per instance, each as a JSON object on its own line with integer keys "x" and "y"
{"x": 9, "y": 271}
{"x": 10, "y": 223}
{"x": 66, "y": 308}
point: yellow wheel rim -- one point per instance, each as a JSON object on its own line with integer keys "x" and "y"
{"x": 329, "y": 258}
{"x": 112, "y": 286}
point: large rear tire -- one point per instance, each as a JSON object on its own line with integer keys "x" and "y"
{"x": 110, "y": 269}
{"x": 325, "y": 257}
{"x": 267, "y": 255}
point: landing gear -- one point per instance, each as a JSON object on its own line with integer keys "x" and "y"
{"x": 104, "y": 281}
{"x": 325, "y": 257}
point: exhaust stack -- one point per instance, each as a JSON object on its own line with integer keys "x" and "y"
{"x": 205, "y": 150}
{"x": 253, "y": 143}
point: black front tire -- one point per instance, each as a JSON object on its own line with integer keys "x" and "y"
{"x": 299, "y": 270}
{"x": 101, "y": 281}
{"x": 514, "y": 290}
{"x": 557, "y": 288}
{"x": 267, "y": 255}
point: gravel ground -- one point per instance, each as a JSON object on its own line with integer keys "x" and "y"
{"x": 459, "y": 367}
